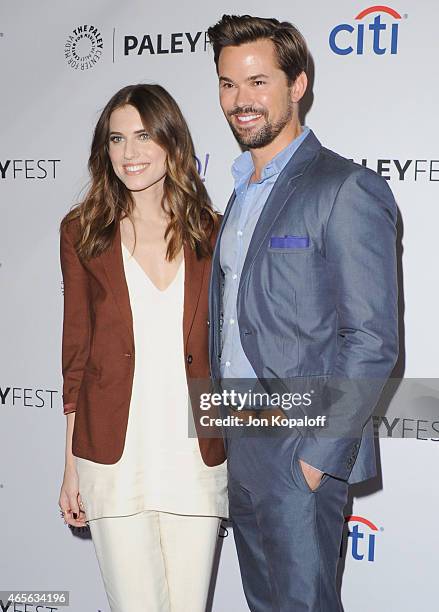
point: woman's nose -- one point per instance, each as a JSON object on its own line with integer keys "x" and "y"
{"x": 130, "y": 150}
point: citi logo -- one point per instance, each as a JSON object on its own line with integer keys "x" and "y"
{"x": 361, "y": 538}
{"x": 345, "y": 38}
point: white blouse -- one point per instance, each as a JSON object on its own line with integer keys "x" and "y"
{"x": 161, "y": 466}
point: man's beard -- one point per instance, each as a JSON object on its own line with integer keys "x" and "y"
{"x": 256, "y": 139}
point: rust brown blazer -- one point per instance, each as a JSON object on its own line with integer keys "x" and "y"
{"x": 98, "y": 352}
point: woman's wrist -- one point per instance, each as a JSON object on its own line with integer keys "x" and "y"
{"x": 70, "y": 462}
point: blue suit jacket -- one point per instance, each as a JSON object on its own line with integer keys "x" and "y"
{"x": 322, "y": 305}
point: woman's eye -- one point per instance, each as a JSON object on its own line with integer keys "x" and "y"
{"x": 144, "y": 136}
{"x": 115, "y": 138}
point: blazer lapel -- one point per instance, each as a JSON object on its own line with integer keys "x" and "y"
{"x": 193, "y": 279}
{"x": 113, "y": 263}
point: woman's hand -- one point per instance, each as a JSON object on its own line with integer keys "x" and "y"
{"x": 70, "y": 499}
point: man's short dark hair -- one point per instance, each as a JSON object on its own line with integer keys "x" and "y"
{"x": 290, "y": 46}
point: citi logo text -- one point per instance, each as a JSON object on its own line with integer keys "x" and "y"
{"x": 360, "y": 540}
{"x": 346, "y": 38}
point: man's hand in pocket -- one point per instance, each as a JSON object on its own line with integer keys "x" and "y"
{"x": 312, "y": 475}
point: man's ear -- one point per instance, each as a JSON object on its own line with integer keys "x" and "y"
{"x": 299, "y": 86}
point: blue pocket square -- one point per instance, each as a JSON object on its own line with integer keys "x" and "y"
{"x": 289, "y": 242}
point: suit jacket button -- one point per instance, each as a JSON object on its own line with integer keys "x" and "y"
{"x": 208, "y": 322}
{"x": 127, "y": 355}
{"x": 189, "y": 358}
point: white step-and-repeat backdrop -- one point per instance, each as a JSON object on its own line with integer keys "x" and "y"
{"x": 373, "y": 98}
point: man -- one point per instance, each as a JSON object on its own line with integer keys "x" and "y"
{"x": 303, "y": 288}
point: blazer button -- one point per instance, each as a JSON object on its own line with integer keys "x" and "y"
{"x": 189, "y": 359}
{"x": 127, "y": 355}
{"x": 208, "y": 322}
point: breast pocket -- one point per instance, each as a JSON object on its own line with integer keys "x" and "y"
{"x": 298, "y": 264}
{"x": 289, "y": 244}
{"x": 292, "y": 250}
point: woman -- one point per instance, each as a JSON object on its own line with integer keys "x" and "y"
{"x": 135, "y": 257}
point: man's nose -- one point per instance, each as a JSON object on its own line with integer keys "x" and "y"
{"x": 243, "y": 97}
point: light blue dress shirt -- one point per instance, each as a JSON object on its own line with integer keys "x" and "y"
{"x": 249, "y": 201}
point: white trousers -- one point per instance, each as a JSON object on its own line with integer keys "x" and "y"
{"x": 156, "y": 561}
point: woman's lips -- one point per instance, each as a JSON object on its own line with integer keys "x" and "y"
{"x": 133, "y": 169}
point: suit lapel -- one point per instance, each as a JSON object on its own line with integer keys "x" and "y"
{"x": 281, "y": 193}
{"x": 216, "y": 252}
{"x": 279, "y": 196}
{"x": 215, "y": 289}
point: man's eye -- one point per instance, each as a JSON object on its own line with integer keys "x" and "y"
{"x": 227, "y": 85}
{"x": 259, "y": 82}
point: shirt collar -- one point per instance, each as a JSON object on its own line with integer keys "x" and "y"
{"x": 243, "y": 167}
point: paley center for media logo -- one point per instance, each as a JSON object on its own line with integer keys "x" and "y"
{"x": 360, "y": 538}
{"x": 376, "y": 30}
{"x": 84, "y": 47}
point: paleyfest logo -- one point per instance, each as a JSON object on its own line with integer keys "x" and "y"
{"x": 346, "y": 38}
{"x": 28, "y": 168}
{"x": 84, "y": 47}
{"x": 163, "y": 44}
{"x": 361, "y": 538}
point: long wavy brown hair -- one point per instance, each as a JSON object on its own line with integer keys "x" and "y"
{"x": 107, "y": 200}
